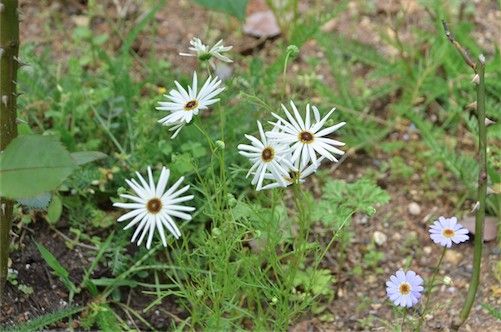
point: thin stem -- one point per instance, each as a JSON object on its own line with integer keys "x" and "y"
{"x": 481, "y": 194}
{"x": 429, "y": 289}
{"x": 479, "y": 69}
{"x": 9, "y": 63}
{"x": 404, "y": 319}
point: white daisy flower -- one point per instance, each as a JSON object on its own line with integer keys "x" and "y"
{"x": 445, "y": 231}
{"x": 183, "y": 105}
{"x": 204, "y": 53}
{"x": 155, "y": 207}
{"x": 267, "y": 158}
{"x": 308, "y": 139}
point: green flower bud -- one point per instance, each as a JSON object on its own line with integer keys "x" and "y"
{"x": 220, "y": 144}
{"x": 293, "y": 51}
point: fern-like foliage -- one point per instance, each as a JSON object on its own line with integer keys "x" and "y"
{"x": 44, "y": 320}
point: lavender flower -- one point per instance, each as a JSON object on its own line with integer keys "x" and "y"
{"x": 444, "y": 231}
{"x": 404, "y": 288}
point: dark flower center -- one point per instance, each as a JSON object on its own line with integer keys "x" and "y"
{"x": 267, "y": 154}
{"x": 306, "y": 137}
{"x": 191, "y": 105}
{"x": 405, "y": 288}
{"x": 448, "y": 233}
{"x": 205, "y": 56}
{"x": 154, "y": 205}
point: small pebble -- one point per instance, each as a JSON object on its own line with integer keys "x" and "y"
{"x": 453, "y": 257}
{"x": 379, "y": 238}
{"x": 414, "y": 209}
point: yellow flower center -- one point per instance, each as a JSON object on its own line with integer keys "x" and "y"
{"x": 448, "y": 233}
{"x": 191, "y": 105}
{"x": 306, "y": 137}
{"x": 267, "y": 154}
{"x": 405, "y": 288}
{"x": 154, "y": 205}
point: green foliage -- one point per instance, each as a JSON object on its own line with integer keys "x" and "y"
{"x": 55, "y": 209}
{"x": 32, "y": 164}
{"x": 494, "y": 312}
{"x": 58, "y": 269}
{"x": 341, "y": 199}
{"x": 235, "y": 8}
{"x": 85, "y": 157}
{"x": 43, "y": 321}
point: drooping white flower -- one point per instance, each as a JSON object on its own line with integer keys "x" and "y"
{"x": 267, "y": 158}
{"x": 204, "y": 53}
{"x": 182, "y": 105}
{"x": 155, "y": 206}
{"x": 446, "y": 231}
{"x": 308, "y": 139}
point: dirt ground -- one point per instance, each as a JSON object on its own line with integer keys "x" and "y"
{"x": 357, "y": 298}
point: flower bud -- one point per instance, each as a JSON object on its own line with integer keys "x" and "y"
{"x": 216, "y": 232}
{"x": 232, "y": 201}
{"x": 220, "y": 144}
{"x": 293, "y": 51}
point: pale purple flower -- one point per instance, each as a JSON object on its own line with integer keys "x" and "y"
{"x": 404, "y": 288}
{"x": 445, "y": 231}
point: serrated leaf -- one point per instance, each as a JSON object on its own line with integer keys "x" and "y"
{"x": 33, "y": 164}
{"x": 235, "y": 8}
{"x": 85, "y": 157}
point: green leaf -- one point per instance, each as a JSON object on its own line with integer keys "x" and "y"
{"x": 40, "y": 322}
{"x": 235, "y": 8}
{"x": 59, "y": 270}
{"x": 33, "y": 164}
{"x": 40, "y": 201}
{"x": 114, "y": 282}
{"x": 55, "y": 210}
{"x": 85, "y": 157}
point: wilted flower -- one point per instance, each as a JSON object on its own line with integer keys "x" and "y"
{"x": 155, "y": 207}
{"x": 204, "y": 53}
{"x": 267, "y": 158}
{"x": 404, "y": 288}
{"x": 307, "y": 139}
{"x": 445, "y": 231}
{"x": 183, "y": 105}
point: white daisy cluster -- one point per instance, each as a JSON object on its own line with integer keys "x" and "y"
{"x": 293, "y": 149}
{"x": 183, "y": 104}
{"x": 156, "y": 206}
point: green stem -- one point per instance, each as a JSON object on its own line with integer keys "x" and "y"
{"x": 479, "y": 69}
{"x": 481, "y": 194}
{"x": 429, "y": 290}
{"x": 9, "y": 63}
{"x": 404, "y": 319}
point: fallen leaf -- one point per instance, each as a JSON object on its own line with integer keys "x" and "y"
{"x": 262, "y": 24}
{"x": 490, "y": 227}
